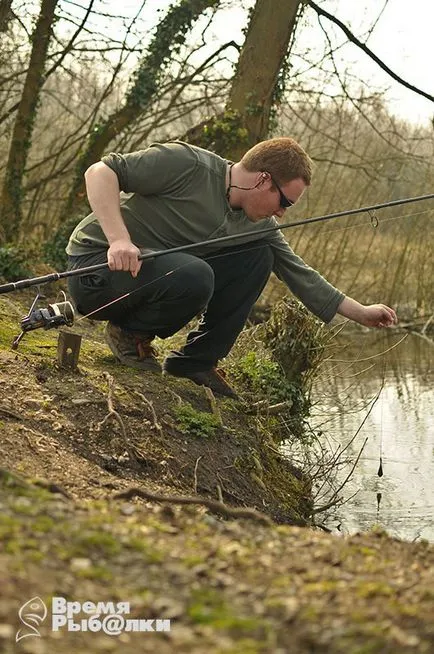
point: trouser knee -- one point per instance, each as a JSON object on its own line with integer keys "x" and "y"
{"x": 194, "y": 283}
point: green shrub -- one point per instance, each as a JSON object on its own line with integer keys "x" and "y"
{"x": 54, "y": 249}
{"x": 13, "y": 263}
{"x": 276, "y": 361}
{"x": 196, "y": 423}
{"x": 264, "y": 378}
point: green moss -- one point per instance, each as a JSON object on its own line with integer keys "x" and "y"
{"x": 43, "y": 524}
{"x": 368, "y": 589}
{"x": 196, "y": 423}
{"x": 12, "y": 547}
{"x": 9, "y": 526}
{"x": 208, "y": 607}
{"x": 192, "y": 560}
{"x": 98, "y": 543}
{"x": 96, "y": 573}
{"x": 150, "y": 553}
{"x": 320, "y": 587}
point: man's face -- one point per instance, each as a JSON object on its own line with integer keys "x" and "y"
{"x": 266, "y": 201}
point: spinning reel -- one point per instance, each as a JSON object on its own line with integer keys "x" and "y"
{"x": 52, "y": 317}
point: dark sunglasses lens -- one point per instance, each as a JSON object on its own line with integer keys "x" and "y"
{"x": 284, "y": 202}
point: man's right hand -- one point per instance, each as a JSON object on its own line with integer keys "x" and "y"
{"x": 123, "y": 255}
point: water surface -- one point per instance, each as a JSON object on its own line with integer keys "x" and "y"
{"x": 399, "y": 429}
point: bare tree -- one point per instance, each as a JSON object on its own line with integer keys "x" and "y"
{"x": 321, "y": 12}
{"x": 253, "y": 89}
{"x": 254, "y": 85}
{"x": 170, "y": 35}
{"x": 5, "y": 14}
{"x": 23, "y": 127}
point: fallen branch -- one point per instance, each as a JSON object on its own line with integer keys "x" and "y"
{"x": 10, "y": 413}
{"x": 213, "y": 505}
{"x": 269, "y": 409}
{"x": 335, "y": 499}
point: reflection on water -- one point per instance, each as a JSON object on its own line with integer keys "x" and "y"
{"x": 399, "y": 431}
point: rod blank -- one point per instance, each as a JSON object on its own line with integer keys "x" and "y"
{"x": 54, "y": 277}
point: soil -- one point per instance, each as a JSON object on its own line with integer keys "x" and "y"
{"x": 229, "y": 563}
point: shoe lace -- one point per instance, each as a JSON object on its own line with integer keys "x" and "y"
{"x": 144, "y": 348}
{"x": 220, "y": 372}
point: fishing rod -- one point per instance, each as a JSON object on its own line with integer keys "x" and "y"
{"x": 54, "y": 277}
{"x": 62, "y": 313}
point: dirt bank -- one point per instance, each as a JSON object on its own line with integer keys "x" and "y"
{"x": 73, "y": 442}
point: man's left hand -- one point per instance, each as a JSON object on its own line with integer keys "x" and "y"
{"x": 378, "y": 315}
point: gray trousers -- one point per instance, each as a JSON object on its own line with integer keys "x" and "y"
{"x": 171, "y": 290}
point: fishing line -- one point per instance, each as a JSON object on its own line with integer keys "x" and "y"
{"x": 332, "y": 230}
{"x": 170, "y": 272}
{"x": 383, "y": 381}
{"x": 225, "y": 254}
{"x": 13, "y": 286}
{"x": 380, "y": 471}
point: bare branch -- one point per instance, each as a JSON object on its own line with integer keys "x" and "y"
{"x": 366, "y": 50}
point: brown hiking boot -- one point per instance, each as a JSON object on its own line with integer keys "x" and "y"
{"x": 213, "y": 378}
{"x": 133, "y": 349}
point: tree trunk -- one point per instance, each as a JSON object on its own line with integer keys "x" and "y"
{"x": 262, "y": 58}
{"x": 168, "y": 39}
{"x": 246, "y": 119}
{"x": 5, "y": 14}
{"x": 11, "y": 210}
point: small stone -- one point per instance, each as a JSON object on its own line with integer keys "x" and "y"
{"x": 168, "y": 608}
{"x": 127, "y": 509}
{"x": 23, "y": 501}
{"x": 80, "y": 564}
{"x": 33, "y": 646}
{"x": 181, "y": 635}
{"x": 6, "y": 631}
{"x": 210, "y": 520}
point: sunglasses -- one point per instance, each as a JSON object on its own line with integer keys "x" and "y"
{"x": 285, "y": 202}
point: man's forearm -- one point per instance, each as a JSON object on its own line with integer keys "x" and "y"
{"x": 103, "y": 194}
{"x": 372, "y": 315}
{"x": 351, "y": 309}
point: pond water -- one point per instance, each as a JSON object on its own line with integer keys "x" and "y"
{"x": 398, "y": 428}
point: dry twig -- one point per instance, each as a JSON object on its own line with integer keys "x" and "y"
{"x": 213, "y": 404}
{"x": 156, "y": 424}
{"x": 112, "y": 413}
{"x": 215, "y": 507}
{"x": 195, "y": 473}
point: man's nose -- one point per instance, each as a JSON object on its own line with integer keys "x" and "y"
{"x": 280, "y": 212}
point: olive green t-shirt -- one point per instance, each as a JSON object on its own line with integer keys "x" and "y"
{"x": 174, "y": 194}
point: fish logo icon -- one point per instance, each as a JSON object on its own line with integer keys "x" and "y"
{"x": 31, "y": 614}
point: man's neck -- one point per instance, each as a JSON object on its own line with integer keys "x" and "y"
{"x": 238, "y": 176}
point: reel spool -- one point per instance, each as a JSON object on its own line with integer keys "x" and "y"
{"x": 54, "y": 316}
